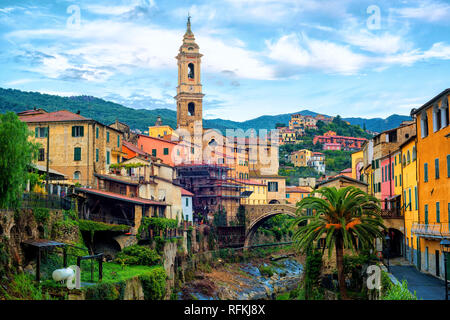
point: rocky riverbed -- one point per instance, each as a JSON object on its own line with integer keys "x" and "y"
{"x": 253, "y": 280}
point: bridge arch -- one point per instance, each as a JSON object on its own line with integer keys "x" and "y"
{"x": 258, "y": 214}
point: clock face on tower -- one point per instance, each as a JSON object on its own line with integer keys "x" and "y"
{"x": 191, "y": 88}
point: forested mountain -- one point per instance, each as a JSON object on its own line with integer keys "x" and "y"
{"x": 107, "y": 112}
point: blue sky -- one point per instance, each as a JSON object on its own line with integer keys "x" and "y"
{"x": 353, "y": 58}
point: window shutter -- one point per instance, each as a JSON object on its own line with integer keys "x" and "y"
{"x": 77, "y": 154}
{"x": 436, "y": 168}
{"x": 415, "y": 197}
{"x": 73, "y": 131}
{"x": 82, "y": 131}
{"x": 438, "y": 212}
{"x": 36, "y": 132}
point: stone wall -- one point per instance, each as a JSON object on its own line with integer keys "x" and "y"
{"x": 17, "y": 227}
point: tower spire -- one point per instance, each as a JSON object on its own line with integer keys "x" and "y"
{"x": 188, "y": 28}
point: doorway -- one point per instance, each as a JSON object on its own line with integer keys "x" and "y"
{"x": 437, "y": 263}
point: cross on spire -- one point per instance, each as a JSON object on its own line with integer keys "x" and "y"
{"x": 189, "y": 23}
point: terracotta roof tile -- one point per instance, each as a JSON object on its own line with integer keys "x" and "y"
{"x": 61, "y": 115}
{"x": 117, "y": 196}
{"x": 186, "y": 193}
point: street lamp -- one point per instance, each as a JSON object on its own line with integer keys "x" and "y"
{"x": 388, "y": 245}
{"x": 445, "y": 247}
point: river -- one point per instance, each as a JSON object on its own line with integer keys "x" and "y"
{"x": 259, "y": 278}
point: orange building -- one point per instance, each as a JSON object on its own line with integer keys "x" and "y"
{"x": 157, "y": 147}
{"x": 433, "y": 166}
{"x": 132, "y": 151}
{"x": 295, "y": 194}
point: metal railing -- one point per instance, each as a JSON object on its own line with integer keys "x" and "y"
{"x": 38, "y": 200}
{"x": 109, "y": 219}
{"x": 392, "y": 210}
{"x": 432, "y": 230}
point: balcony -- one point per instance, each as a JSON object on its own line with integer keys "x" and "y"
{"x": 391, "y": 208}
{"x": 433, "y": 230}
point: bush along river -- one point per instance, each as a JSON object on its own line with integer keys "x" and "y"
{"x": 236, "y": 275}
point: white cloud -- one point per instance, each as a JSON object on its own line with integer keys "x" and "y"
{"x": 439, "y": 50}
{"x": 315, "y": 54}
{"x": 384, "y": 43}
{"x": 109, "y": 9}
{"x": 102, "y": 48}
{"x": 430, "y": 11}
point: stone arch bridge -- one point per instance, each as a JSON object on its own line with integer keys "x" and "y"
{"x": 257, "y": 214}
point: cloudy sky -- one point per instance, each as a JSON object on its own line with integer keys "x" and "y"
{"x": 353, "y": 58}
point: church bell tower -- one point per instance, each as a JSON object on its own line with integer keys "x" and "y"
{"x": 189, "y": 91}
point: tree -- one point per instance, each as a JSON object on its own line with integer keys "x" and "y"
{"x": 347, "y": 218}
{"x": 279, "y": 125}
{"x": 240, "y": 215}
{"x": 16, "y": 156}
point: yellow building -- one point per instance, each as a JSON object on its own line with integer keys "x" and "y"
{"x": 357, "y": 164}
{"x": 161, "y": 131}
{"x": 301, "y": 157}
{"x": 433, "y": 164}
{"x": 78, "y": 146}
{"x": 405, "y": 164}
{"x": 257, "y": 191}
{"x": 288, "y": 136}
{"x": 276, "y": 187}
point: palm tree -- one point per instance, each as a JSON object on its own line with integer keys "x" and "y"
{"x": 343, "y": 217}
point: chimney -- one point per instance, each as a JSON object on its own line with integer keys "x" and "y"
{"x": 78, "y": 112}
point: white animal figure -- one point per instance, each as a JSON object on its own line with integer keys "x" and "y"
{"x": 63, "y": 274}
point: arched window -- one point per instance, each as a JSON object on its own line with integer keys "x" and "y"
{"x": 191, "y": 108}
{"x": 191, "y": 74}
{"x": 424, "y": 124}
{"x": 414, "y": 154}
{"x": 77, "y": 175}
{"x": 408, "y": 157}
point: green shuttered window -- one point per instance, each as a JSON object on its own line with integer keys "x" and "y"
{"x": 77, "y": 154}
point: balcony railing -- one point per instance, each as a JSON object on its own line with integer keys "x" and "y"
{"x": 391, "y": 210}
{"x": 433, "y": 230}
{"x": 37, "y": 200}
{"x": 110, "y": 219}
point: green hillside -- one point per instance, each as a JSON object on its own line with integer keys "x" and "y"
{"x": 107, "y": 112}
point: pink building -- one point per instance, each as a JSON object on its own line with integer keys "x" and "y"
{"x": 331, "y": 146}
{"x": 387, "y": 179}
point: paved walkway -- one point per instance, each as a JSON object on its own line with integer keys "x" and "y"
{"x": 426, "y": 286}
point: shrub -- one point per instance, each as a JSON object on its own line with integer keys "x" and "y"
{"x": 138, "y": 255}
{"x": 41, "y": 215}
{"x": 106, "y": 291}
{"x": 399, "y": 292}
{"x": 154, "y": 284}
{"x": 157, "y": 224}
{"x": 92, "y": 226}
